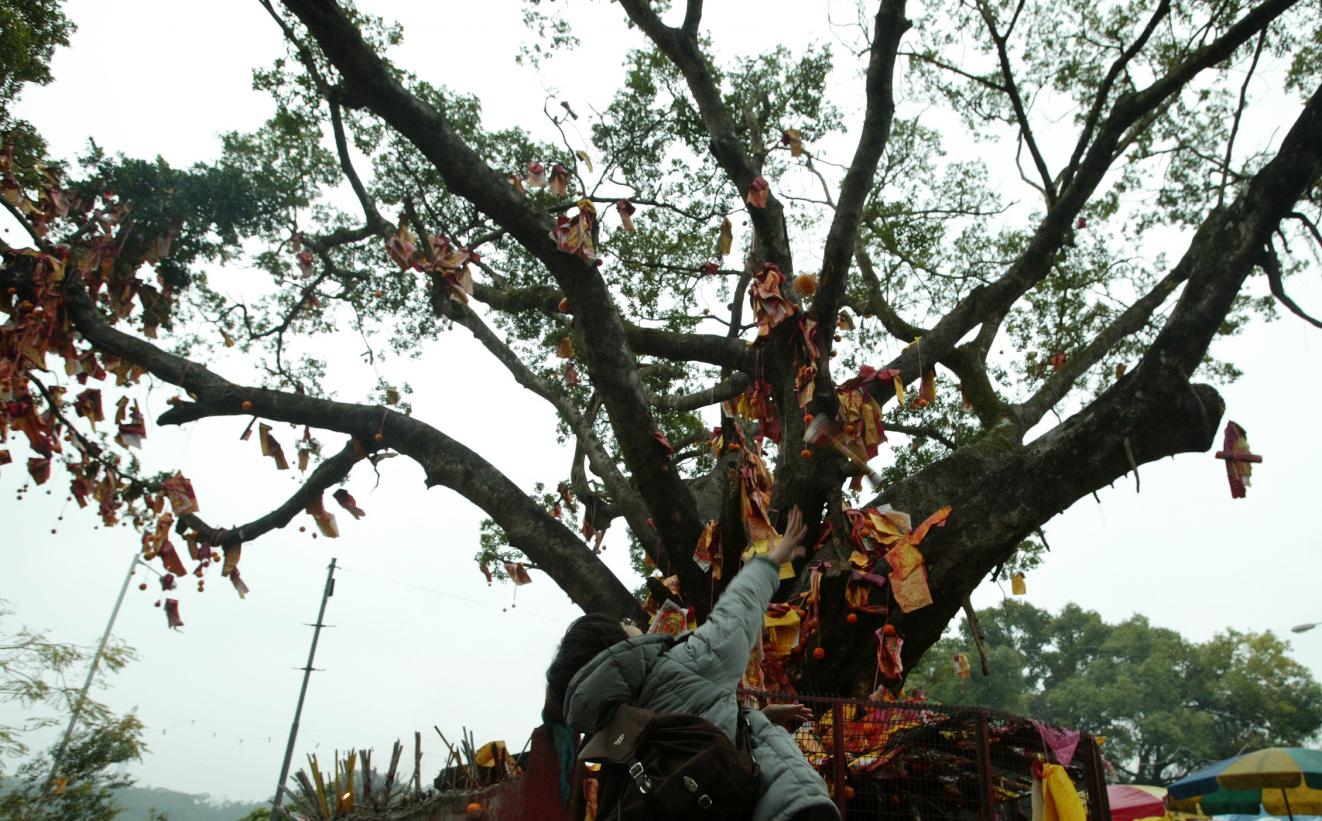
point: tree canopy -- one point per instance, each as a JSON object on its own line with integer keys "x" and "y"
{"x": 1167, "y": 705}
{"x": 1023, "y": 336}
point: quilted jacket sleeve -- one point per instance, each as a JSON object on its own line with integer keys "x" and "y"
{"x": 788, "y": 784}
{"x": 718, "y": 650}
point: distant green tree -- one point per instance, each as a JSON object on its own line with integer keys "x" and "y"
{"x": 33, "y": 673}
{"x": 1166, "y": 705}
{"x": 89, "y": 777}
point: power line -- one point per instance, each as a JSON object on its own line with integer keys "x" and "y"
{"x": 447, "y": 595}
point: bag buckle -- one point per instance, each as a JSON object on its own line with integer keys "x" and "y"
{"x": 705, "y": 801}
{"x": 640, "y": 778}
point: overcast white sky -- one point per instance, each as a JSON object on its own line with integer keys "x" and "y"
{"x": 418, "y": 638}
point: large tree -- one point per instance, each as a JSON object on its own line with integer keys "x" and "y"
{"x": 578, "y": 264}
{"x": 1167, "y": 705}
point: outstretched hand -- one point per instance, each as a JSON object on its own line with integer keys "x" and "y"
{"x": 790, "y": 546}
{"x": 788, "y": 716}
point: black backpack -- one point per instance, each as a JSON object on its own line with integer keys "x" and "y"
{"x": 657, "y": 766}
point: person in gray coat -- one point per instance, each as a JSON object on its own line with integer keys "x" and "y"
{"x": 602, "y": 663}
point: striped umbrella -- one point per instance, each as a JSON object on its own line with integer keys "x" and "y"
{"x": 1283, "y": 780}
{"x": 1130, "y": 801}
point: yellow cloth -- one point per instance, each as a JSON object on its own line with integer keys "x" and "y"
{"x": 1055, "y": 798}
{"x": 783, "y": 630}
{"x": 761, "y": 546}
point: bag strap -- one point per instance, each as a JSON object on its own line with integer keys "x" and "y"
{"x": 743, "y": 732}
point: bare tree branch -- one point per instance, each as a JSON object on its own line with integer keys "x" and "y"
{"x": 878, "y": 304}
{"x": 922, "y": 432}
{"x": 1036, "y": 260}
{"x": 1129, "y": 321}
{"x": 445, "y": 461}
{"x": 692, "y": 18}
{"x": 1234, "y": 123}
{"x": 727, "y": 389}
{"x": 1104, "y": 91}
{"x": 680, "y": 46}
{"x": 722, "y": 351}
{"x": 369, "y": 81}
{"x": 1152, "y": 412}
{"x": 842, "y": 237}
{"x": 375, "y": 222}
{"x": 331, "y": 471}
{"x": 1272, "y": 267}
{"x": 1230, "y": 242}
{"x": 625, "y": 498}
{"x": 969, "y": 363}
{"x": 953, "y": 69}
{"x": 1016, "y": 101}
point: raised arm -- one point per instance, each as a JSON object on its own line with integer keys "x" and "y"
{"x": 720, "y": 647}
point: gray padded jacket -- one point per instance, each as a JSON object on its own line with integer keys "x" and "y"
{"x": 699, "y": 677}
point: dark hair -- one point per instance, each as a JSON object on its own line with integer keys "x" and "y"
{"x": 585, "y": 637}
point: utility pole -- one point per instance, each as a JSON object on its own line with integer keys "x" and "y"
{"x": 303, "y": 691}
{"x": 91, "y": 673}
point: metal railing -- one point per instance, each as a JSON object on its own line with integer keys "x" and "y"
{"x": 918, "y": 760}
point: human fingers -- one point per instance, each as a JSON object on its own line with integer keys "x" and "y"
{"x": 794, "y": 528}
{"x": 795, "y": 524}
{"x": 792, "y": 714}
